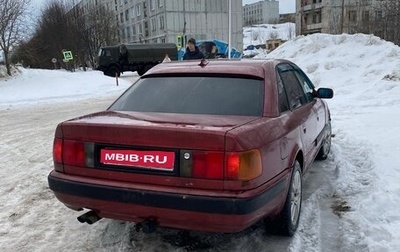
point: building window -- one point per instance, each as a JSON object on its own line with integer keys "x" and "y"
{"x": 126, "y": 15}
{"x": 153, "y": 24}
{"x": 133, "y": 32}
{"x": 378, "y": 15}
{"x": 152, "y": 5}
{"x": 139, "y": 29}
{"x": 138, "y": 10}
{"x": 365, "y": 16}
{"x": 123, "y": 33}
{"x": 161, "y": 22}
{"x": 316, "y": 18}
{"x": 132, "y": 12}
{"x": 146, "y": 29}
{"x": 121, "y": 17}
{"x": 352, "y": 16}
{"x": 160, "y": 3}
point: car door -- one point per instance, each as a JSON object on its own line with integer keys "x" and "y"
{"x": 317, "y": 106}
{"x": 301, "y": 105}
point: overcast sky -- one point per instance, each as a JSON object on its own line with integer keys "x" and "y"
{"x": 285, "y": 6}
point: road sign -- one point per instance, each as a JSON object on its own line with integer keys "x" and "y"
{"x": 68, "y": 55}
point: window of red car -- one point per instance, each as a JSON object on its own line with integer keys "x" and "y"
{"x": 294, "y": 90}
{"x": 306, "y": 84}
{"x": 194, "y": 95}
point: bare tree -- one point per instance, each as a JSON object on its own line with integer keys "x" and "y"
{"x": 12, "y": 26}
{"x": 291, "y": 31}
{"x": 273, "y": 34}
{"x": 96, "y": 28}
{"x": 69, "y": 27}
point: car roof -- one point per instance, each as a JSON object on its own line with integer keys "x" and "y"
{"x": 245, "y": 67}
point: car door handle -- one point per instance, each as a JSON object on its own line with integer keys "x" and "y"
{"x": 305, "y": 130}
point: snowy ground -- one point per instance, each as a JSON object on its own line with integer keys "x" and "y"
{"x": 351, "y": 200}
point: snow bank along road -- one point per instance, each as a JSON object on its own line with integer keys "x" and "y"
{"x": 33, "y": 220}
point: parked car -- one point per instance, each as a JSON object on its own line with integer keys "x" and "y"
{"x": 213, "y": 146}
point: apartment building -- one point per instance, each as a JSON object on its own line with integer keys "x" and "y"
{"x": 175, "y": 21}
{"x": 336, "y": 16}
{"x": 262, "y": 12}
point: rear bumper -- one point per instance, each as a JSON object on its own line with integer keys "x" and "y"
{"x": 183, "y": 211}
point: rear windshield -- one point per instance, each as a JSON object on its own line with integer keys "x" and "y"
{"x": 194, "y": 95}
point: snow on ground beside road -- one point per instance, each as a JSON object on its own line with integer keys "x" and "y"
{"x": 353, "y": 202}
{"x": 32, "y": 86}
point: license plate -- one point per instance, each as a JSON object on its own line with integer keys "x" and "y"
{"x": 159, "y": 160}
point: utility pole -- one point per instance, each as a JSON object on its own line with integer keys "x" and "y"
{"x": 229, "y": 27}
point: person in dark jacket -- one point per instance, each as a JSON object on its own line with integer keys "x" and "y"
{"x": 192, "y": 51}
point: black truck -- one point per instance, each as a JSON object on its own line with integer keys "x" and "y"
{"x": 114, "y": 60}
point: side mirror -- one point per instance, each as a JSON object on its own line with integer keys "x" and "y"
{"x": 325, "y": 93}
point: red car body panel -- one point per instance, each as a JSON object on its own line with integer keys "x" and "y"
{"x": 172, "y": 200}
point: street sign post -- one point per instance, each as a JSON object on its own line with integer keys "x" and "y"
{"x": 68, "y": 55}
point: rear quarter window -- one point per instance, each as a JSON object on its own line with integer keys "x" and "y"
{"x": 194, "y": 95}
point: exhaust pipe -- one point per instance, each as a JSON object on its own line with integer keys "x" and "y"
{"x": 89, "y": 217}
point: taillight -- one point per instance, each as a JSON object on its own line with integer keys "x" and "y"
{"x": 74, "y": 153}
{"x": 57, "y": 150}
{"x": 232, "y": 165}
{"x": 243, "y": 165}
{"x": 220, "y": 165}
{"x": 208, "y": 165}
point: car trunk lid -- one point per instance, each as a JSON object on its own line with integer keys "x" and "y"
{"x": 158, "y": 148}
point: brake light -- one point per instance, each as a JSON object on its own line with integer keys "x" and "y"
{"x": 57, "y": 150}
{"x": 232, "y": 165}
{"x": 219, "y": 165}
{"x": 74, "y": 153}
{"x": 243, "y": 165}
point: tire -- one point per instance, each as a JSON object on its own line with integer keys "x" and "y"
{"x": 287, "y": 222}
{"x": 326, "y": 145}
{"x": 140, "y": 72}
{"x": 112, "y": 71}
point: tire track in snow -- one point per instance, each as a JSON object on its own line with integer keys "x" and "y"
{"x": 340, "y": 181}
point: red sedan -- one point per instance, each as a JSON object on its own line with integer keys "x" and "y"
{"x": 212, "y": 146}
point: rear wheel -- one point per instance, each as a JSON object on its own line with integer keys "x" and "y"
{"x": 141, "y": 71}
{"x": 288, "y": 220}
{"x": 326, "y": 145}
{"x": 113, "y": 71}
